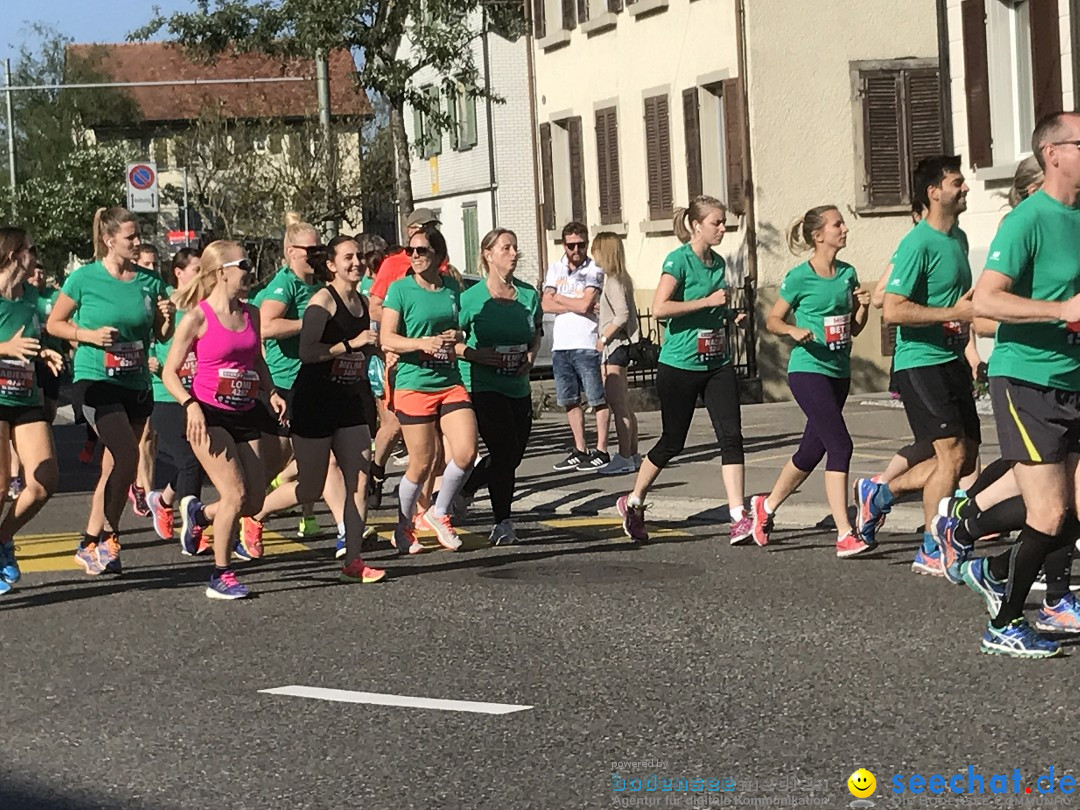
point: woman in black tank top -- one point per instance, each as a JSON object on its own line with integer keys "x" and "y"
{"x": 331, "y": 400}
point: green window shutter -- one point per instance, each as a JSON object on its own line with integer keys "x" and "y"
{"x": 434, "y": 135}
{"x": 469, "y": 133}
{"x": 419, "y": 142}
{"x": 452, "y": 101}
{"x": 472, "y": 238}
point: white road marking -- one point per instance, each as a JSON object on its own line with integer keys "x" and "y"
{"x": 346, "y": 696}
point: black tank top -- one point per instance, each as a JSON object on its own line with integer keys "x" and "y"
{"x": 344, "y": 369}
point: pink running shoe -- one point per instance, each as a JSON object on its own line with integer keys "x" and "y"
{"x": 849, "y": 545}
{"x": 742, "y": 530}
{"x": 762, "y": 520}
{"x": 251, "y": 532}
{"x": 633, "y": 519}
{"x": 357, "y": 571}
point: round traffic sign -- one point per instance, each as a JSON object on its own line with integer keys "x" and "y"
{"x": 141, "y": 177}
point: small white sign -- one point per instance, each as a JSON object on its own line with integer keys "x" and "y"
{"x": 142, "y": 187}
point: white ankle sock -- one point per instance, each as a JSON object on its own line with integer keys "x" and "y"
{"x": 737, "y": 513}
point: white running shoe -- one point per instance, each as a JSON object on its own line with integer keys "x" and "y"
{"x": 503, "y": 534}
{"x": 618, "y": 466}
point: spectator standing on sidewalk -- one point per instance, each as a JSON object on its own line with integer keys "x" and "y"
{"x": 572, "y": 293}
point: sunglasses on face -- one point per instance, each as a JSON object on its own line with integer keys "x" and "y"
{"x": 573, "y": 246}
{"x": 419, "y": 250}
{"x": 243, "y": 264}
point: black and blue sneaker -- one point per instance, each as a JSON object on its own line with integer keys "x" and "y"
{"x": 1018, "y": 640}
{"x": 9, "y": 566}
{"x": 953, "y": 552}
{"x": 190, "y": 507}
{"x": 976, "y": 575}
{"x": 870, "y": 517}
{"x": 339, "y": 547}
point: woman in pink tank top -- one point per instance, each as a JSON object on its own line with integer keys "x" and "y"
{"x": 226, "y": 412}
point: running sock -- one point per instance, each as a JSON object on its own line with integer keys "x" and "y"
{"x": 203, "y": 521}
{"x": 737, "y": 513}
{"x": 768, "y": 509}
{"x": 453, "y": 479}
{"x": 883, "y": 498}
{"x": 341, "y": 529}
{"x": 998, "y": 565}
{"x": 1058, "y": 565}
{"x": 928, "y": 544}
{"x": 968, "y": 509}
{"x": 1007, "y": 516}
{"x": 407, "y": 493}
{"x": 991, "y": 473}
{"x": 378, "y": 471}
{"x": 1028, "y": 557}
{"x": 219, "y": 571}
{"x": 88, "y": 539}
{"x": 633, "y": 500}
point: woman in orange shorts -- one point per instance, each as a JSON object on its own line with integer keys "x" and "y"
{"x": 420, "y": 323}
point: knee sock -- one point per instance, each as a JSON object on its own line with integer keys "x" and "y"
{"x": 1058, "y": 568}
{"x": 407, "y": 493}
{"x": 453, "y": 479}
{"x": 1007, "y": 516}
{"x": 991, "y": 473}
{"x": 1027, "y": 558}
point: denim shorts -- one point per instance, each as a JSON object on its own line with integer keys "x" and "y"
{"x": 577, "y": 369}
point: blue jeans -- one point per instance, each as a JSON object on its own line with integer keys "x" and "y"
{"x": 577, "y": 369}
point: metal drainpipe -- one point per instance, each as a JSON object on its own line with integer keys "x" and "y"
{"x": 945, "y": 75}
{"x": 490, "y": 125}
{"x": 748, "y": 172}
{"x": 541, "y": 234}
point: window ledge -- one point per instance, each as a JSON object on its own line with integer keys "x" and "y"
{"x": 1005, "y": 171}
{"x": 882, "y": 210}
{"x": 657, "y": 227}
{"x": 556, "y": 39}
{"x": 617, "y": 228}
{"x": 642, "y": 7}
{"x": 602, "y": 22}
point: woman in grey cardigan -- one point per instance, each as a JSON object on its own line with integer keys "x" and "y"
{"x": 618, "y": 328}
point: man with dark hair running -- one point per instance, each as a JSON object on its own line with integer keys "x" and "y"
{"x": 1030, "y": 287}
{"x": 929, "y": 297}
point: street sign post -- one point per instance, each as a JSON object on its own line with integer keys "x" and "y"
{"x": 142, "y": 187}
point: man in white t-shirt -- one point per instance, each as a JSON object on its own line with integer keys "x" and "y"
{"x": 572, "y": 293}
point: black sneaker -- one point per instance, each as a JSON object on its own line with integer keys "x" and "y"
{"x": 572, "y": 461}
{"x": 594, "y": 461}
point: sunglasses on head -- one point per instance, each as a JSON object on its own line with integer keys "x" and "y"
{"x": 419, "y": 250}
{"x": 574, "y": 245}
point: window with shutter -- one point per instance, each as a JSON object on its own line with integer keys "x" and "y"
{"x": 901, "y": 124}
{"x": 569, "y": 14}
{"x": 1045, "y": 56}
{"x": 471, "y": 232}
{"x": 976, "y": 82}
{"x": 468, "y": 116}
{"x": 582, "y": 10}
{"x": 614, "y": 6}
{"x": 692, "y": 132}
{"x": 547, "y": 174}
{"x": 658, "y": 157}
{"x": 452, "y": 103}
{"x": 607, "y": 166}
{"x": 539, "y": 18}
{"x": 734, "y": 138}
{"x": 577, "y": 169}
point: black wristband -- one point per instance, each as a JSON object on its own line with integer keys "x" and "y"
{"x": 348, "y": 348}
{"x": 187, "y": 402}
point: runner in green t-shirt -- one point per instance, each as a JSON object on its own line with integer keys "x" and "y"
{"x": 695, "y": 361}
{"x": 830, "y": 309}
{"x": 420, "y": 323}
{"x": 501, "y": 320}
{"x": 112, "y": 309}
{"x": 929, "y": 297}
{"x": 1031, "y": 286}
{"x": 20, "y": 398}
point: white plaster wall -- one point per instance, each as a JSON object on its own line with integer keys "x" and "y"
{"x": 675, "y": 49}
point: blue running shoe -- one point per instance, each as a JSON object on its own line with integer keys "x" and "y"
{"x": 869, "y": 518}
{"x": 953, "y": 552}
{"x": 92, "y": 558}
{"x": 241, "y": 553}
{"x": 1064, "y": 617}
{"x": 190, "y": 507}
{"x": 1018, "y": 640}
{"x": 4, "y": 587}
{"x": 226, "y": 587}
{"x": 976, "y": 575}
{"x": 928, "y": 564}
{"x": 9, "y": 566}
{"x": 339, "y": 547}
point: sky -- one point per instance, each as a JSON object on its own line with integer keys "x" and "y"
{"x": 83, "y": 21}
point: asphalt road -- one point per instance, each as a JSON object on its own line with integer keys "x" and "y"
{"x": 685, "y": 658}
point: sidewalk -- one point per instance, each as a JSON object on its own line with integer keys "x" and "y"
{"x": 691, "y": 488}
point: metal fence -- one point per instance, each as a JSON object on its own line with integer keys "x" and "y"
{"x": 741, "y": 339}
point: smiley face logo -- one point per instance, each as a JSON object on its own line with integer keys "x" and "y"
{"x": 862, "y": 784}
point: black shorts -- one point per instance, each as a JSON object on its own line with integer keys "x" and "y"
{"x": 243, "y": 426}
{"x": 1035, "y": 423}
{"x": 287, "y": 394}
{"x": 319, "y": 411}
{"x": 100, "y": 398}
{"x": 49, "y": 382}
{"x": 16, "y": 415}
{"x": 619, "y": 356}
{"x": 939, "y": 402}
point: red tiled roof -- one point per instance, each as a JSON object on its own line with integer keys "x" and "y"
{"x": 161, "y": 61}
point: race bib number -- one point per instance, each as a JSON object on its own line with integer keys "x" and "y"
{"x": 512, "y": 358}
{"x": 347, "y": 369}
{"x": 186, "y": 372}
{"x": 237, "y": 388}
{"x": 711, "y": 344}
{"x": 16, "y": 379}
{"x": 439, "y": 359}
{"x": 956, "y": 333}
{"x": 838, "y": 332}
{"x": 124, "y": 358}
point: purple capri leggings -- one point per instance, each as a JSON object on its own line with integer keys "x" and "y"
{"x": 822, "y": 400}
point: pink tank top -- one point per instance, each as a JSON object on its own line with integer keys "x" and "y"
{"x": 225, "y": 376}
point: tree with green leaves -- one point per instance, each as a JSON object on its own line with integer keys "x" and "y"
{"x": 440, "y": 34}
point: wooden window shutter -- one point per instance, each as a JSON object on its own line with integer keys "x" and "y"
{"x": 925, "y": 127}
{"x": 692, "y": 132}
{"x": 1046, "y": 56}
{"x": 977, "y": 83}
{"x": 582, "y": 10}
{"x": 602, "y": 171}
{"x": 614, "y": 6}
{"x": 577, "y": 169}
{"x": 607, "y": 166}
{"x": 883, "y": 125}
{"x": 569, "y": 14}
{"x": 734, "y": 138}
{"x": 658, "y": 157}
{"x": 539, "y": 20}
{"x": 547, "y": 209}
{"x": 667, "y": 195}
